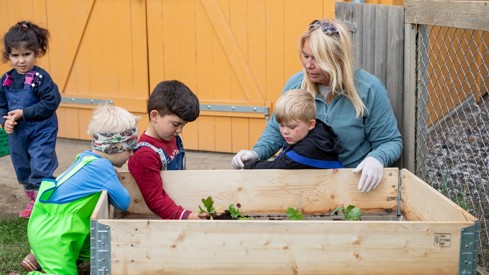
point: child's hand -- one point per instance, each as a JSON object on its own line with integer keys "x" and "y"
{"x": 196, "y": 216}
{"x": 9, "y": 124}
{"x": 16, "y": 114}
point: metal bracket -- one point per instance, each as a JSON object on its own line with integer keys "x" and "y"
{"x": 99, "y": 248}
{"x": 89, "y": 101}
{"x": 469, "y": 246}
{"x": 237, "y": 109}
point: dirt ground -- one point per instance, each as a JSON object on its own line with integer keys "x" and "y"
{"x": 12, "y": 198}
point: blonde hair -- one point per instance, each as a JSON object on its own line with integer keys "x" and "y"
{"x": 109, "y": 118}
{"x": 295, "y": 105}
{"x": 333, "y": 54}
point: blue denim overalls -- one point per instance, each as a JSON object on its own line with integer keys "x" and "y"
{"x": 32, "y": 144}
{"x": 177, "y": 163}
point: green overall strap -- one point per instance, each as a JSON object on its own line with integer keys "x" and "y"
{"x": 63, "y": 177}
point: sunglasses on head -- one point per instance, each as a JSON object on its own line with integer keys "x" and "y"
{"x": 327, "y": 27}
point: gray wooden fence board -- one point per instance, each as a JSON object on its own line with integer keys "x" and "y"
{"x": 380, "y": 42}
{"x": 395, "y": 60}
{"x": 368, "y": 37}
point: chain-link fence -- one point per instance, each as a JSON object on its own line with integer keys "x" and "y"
{"x": 452, "y": 119}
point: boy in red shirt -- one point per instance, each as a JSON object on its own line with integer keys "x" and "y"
{"x": 171, "y": 105}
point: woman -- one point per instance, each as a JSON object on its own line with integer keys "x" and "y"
{"x": 352, "y": 101}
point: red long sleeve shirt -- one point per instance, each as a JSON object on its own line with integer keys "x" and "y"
{"x": 145, "y": 167}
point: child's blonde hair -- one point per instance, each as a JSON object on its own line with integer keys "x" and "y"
{"x": 295, "y": 105}
{"x": 109, "y": 118}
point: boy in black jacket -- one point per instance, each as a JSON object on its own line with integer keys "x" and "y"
{"x": 309, "y": 143}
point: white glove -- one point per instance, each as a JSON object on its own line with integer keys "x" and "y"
{"x": 243, "y": 156}
{"x": 372, "y": 174}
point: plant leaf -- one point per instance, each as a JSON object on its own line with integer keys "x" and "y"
{"x": 294, "y": 214}
{"x": 338, "y": 209}
{"x": 234, "y": 211}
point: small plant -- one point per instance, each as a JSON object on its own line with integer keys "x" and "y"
{"x": 351, "y": 213}
{"x": 208, "y": 207}
{"x": 234, "y": 211}
{"x": 294, "y": 214}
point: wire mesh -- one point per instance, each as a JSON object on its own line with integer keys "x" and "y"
{"x": 452, "y": 117}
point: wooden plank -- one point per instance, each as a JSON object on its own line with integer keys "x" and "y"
{"x": 190, "y": 135}
{"x": 239, "y": 134}
{"x": 101, "y": 210}
{"x": 257, "y": 54}
{"x": 233, "y": 51}
{"x": 281, "y": 247}
{"x": 256, "y": 129}
{"x": 395, "y": 61}
{"x": 419, "y": 201}
{"x": 458, "y": 14}
{"x": 68, "y": 122}
{"x": 223, "y": 135}
{"x": 271, "y": 191}
{"x": 207, "y": 133}
{"x": 205, "y": 39}
{"x": 276, "y": 71}
{"x": 368, "y": 37}
{"x": 380, "y": 49}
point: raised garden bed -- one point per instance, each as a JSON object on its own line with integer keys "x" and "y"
{"x": 407, "y": 227}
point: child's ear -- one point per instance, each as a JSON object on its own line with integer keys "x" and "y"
{"x": 153, "y": 115}
{"x": 312, "y": 124}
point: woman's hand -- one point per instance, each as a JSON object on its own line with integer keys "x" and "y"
{"x": 372, "y": 172}
{"x": 243, "y": 156}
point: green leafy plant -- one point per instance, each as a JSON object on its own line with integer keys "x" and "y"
{"x": 294, "y": 214}
{"x": 208, "y": 207}
{"x": 234, "y": 211}
{"x": 351, "y": 213}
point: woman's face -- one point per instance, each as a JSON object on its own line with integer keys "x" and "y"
{"x": 314, "y": 72}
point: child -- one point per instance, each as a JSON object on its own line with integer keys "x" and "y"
{"x": 171, "y": 105}
{"x": 28, "y": 102}
{"x": 309, "y": 143}
{"x": 59, "y": 227}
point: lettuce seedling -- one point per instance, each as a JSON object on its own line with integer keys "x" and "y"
{"x": 351, "y": 213}
{"x": 294, "y": 214}
{"x": 234, "y": 211}
{"x": 209, "y": 207}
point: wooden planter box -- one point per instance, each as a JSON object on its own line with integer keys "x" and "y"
{"x": 423, "y": 232}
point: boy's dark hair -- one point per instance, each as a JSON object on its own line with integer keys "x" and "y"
{"x": 25, "y": 34}
{"x": 172, "y": 97}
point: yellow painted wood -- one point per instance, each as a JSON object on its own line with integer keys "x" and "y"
{"x": 239, "y": 134}
{"x": 207, "y": 132}
{"x": 65, "y": 117}
{"x": 190, "y": 135}
{"x": 223, "y": 137}
{"x": 233, "y": 51}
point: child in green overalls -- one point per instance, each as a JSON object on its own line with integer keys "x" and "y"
{"x": 59, "y": 227}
